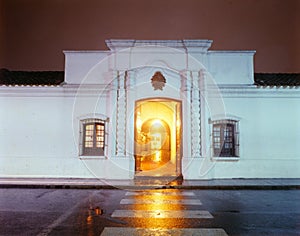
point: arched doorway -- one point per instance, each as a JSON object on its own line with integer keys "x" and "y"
{"x": 155, "y": 144}
{"x": 158, "y": 137}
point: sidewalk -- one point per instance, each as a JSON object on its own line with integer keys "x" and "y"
{"x": 222, "y": 184}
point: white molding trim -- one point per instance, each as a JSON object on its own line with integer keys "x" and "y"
{"x": 194, "y": 45}
{"x": 252, "y": 91}
{"x": 226, "y": 116}
{"x": 68, "y": 90}
{"x": 93, "y": 116}
{"x": 92, "y": 157}
{"x": 251, "y": 52}
{"x": 225, "y": 158}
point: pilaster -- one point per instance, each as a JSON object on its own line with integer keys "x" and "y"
{"x": 186, "y": 109}
{"x": 203, "y": 112}
{"x": 195, "y": 115}
{"x": 130, "y": 96}
{"x": 121, "y": 108}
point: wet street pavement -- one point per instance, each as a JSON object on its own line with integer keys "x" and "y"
{"x": 149, "y": 212}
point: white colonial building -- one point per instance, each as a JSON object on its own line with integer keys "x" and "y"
{"x": 151, "y": 109}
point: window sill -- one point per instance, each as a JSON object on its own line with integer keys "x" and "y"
{"x": 225, "y": 158}
{"x": 91, "y": 157}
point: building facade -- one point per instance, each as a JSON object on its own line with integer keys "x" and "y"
{"x": 150, "y": 109}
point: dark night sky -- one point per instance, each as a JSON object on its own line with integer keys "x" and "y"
{"x": 35, "y": 32}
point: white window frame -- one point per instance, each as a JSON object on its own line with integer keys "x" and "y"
{"x": 235, "y": 138}
{"x": 92, "y": 120}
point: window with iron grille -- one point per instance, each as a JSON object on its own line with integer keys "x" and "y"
{"x": 225, "y": 138}
{"x": 93, "y": 137}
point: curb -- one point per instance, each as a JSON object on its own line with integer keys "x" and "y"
{"x": 149, "y": 187}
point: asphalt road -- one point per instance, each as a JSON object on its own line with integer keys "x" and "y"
{"x": 88, "y": 212}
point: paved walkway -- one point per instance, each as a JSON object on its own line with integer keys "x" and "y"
{"x": 74, "y": 183}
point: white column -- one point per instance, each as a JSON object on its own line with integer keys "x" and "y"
{"x": 203, "y": 112}
{"x": 112, "y": 110}
{"x": 195, "y": 115}
{"x": 121, "y": 116}
{"x": 130, "y": 91}
{"x": 186, "y": 114}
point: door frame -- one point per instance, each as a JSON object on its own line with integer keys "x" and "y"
{"x": 178, "y": 123}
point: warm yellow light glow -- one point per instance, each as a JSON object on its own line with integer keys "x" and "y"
{"x": 157, "y": 122}
{"x": 138, "y": 123}
{"x": 89, "y": 218}
{"x": 155, "y": 141}
{"x": 157, "y": 135}
{"x": 157, "y": 156}
{"x": 159, "y": 214}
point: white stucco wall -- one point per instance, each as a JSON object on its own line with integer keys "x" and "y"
{"x": 269, "y": 133}
{"x": 268, "y": 136}
{"x": 36, "y": 136}
{"x": 39, "y": 135}
{"x": 79, "y": 63}
{"x": 39, "y": 131}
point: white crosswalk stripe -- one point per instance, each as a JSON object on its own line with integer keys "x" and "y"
{"x": 122, "y": 231}
{"x": 162, "y": 201}
{"x": 160, "y": 193}
{"x": 163, "y": 198}
{"x": 162, "y": 214}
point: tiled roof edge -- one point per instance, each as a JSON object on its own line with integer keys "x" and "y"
{"x": 8, "y": 77}
{"x": 277, "y": 79}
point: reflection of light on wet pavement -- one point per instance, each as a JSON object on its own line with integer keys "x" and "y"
{"x": 165, "y": 193}
{"x": 163, "y": 212}
{"x": 89, "y": 218}
{"x": 108, "y": 231}
{"x": 161, "y": 201}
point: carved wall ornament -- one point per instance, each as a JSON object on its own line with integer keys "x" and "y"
{"x": 158, "y": 81}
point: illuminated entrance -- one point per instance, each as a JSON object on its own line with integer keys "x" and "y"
{"x": 157, "y": 137}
